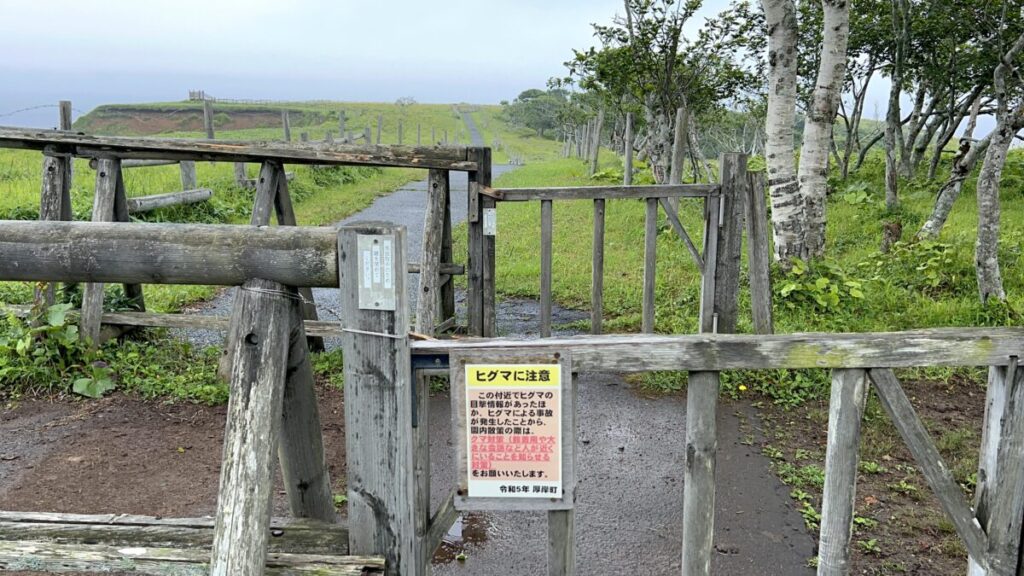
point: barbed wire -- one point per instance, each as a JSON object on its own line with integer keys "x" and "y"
{"x": 38, "y": 107}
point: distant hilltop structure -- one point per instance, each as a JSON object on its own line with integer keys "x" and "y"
{"x": 198, "y": 95}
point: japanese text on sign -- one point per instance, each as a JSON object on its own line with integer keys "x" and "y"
{"x": 514, "y": 424}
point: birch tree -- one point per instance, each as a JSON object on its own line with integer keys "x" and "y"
{"x": 783, "y": 189}
{"x": 1008, "y": 123}
{"x": 813, "y": 171}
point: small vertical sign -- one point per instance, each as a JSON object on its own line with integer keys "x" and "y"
{"x": 490, "y": 221}
{"x": 376, "y": 254}
{"x": 516, "y": 445}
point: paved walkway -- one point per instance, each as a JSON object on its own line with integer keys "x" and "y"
{"x": 631, "y": 454}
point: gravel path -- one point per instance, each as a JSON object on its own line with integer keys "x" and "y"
{"x": 629, "y": 509}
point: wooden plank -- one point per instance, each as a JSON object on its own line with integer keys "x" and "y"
{"x": 673, "y": 218}
{"x": 602, "y": 192}
{"x": 545, "y": 268}
{"x": 715, "y": 352}
{"x": 597, "y": 271}
{"x": 188, "y": 175}
{"x": 140, "y": 163}
{"x": 107, "y": 176}
{"x": 846, "y": 410}
{"x": 289, "y": 535}
{"x": 627, "y": 164}
{"x": 378, "y": 410}
{"x": 135, "y": 147}
{"x": 428, "y": 306}
{"x": 259, "y": 358}
{"x": 1005, "y": 487}
{"x": 988, "y": 458}
{"x": 154, "y": 561}
{"x": 940, "y": 478}
{"x": 650, "y": 265}
{"x": 758, "y": 257}
{"x": 287, "y": 127}
{"x": 141, "y": 204}
{"x": 189, "y": 253}
{"x": 699, "y": 473}
{"x": 730, "y": 240}
{"x": 208, "y": 119}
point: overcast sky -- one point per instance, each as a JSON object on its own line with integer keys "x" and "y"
{"x": 94, "y": 52}
{"x": 119, "y": 51}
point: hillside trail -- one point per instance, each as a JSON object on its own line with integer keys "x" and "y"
{"x": 127, "y": 455}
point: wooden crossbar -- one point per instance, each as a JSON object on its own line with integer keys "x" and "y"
{"x": 602, "y": 192}
{"x": 143, "y": 148}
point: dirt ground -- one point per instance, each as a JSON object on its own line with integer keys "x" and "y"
{"x": 899, "y": 525}
{"x": 126, "y": 455}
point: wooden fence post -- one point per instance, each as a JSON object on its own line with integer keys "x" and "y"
{"x": 719, "y": 284}
{"x": 433, "y": 250}
{"x": 259, "y": 354}
{"x": 378, "y": 397}
{"x": 447, "y": 288}
{"x": 187, "y": 168}
{"x": 730, "y": 240}
{"x": 845, "y": 411}
{"x": 380, "y": 127}
{"x": 108, "y": 173}
{"x": 650, "y": 265}
{"x": 286, "y": 125}
{"x": 627, "y": 171}
{"x": 400, "y": 135}
{"x": 595, "y": 151}
{"x": 433, "y": 136}
{"x": 304, "y": 468}
{"x": 545, "y": 267}
{"x": 998, "y": 506}
{"x": 208, "y": 119}
{"x": 446, "y": 137}
{"x": 419, "y": 134}
{"x": 366, "y": 136}
{"x": 758, "y": 259}
{"x": 342, "y": 118}
{"x": 480, "y": 272}
{"x": 303, "y": 136}
{"x": 597, "y": 270}
{"x": 55, "y": 196}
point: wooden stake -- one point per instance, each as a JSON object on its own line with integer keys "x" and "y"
{"x": 845, "y": 411}
{"x": 107, "y": 175}
{"x": 260, "y": 350}
{"x": 433, "y": 240}
{"x": 378, "y": 407}
{"x": 545, "y": 267}
{"x": 286, "y": 126}
{"x": 597, "y": 270}
{"x": 208, "y": 119}
{"x": 650, "y": 264}
{"x": 758, "y": 259}
{"x": 627, "y": 172}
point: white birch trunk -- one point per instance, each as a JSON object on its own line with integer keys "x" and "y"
{"x": 783, "y": 190}
{"x": 986, "y": 249}
{"x": 813, "y": 172}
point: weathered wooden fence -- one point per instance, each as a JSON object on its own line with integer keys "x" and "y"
{"x": 386, "y": 370}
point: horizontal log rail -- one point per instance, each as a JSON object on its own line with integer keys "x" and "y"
{"x": 140, "y": 148}
{"x": 149, "y": 203}
{"x": 602, "y": 192}
{"x": 294, "y": 535}
{"x": 707, "y": 352}
{"x": 167, "y": 253}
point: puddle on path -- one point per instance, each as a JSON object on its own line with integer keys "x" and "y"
{"x": 469, "y": 528}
